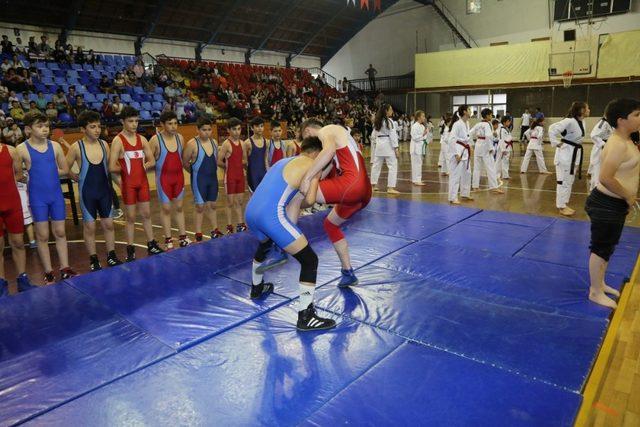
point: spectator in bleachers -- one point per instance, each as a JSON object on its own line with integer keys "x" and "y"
{"x": 7, "y": 46}
{"x": 12, "y": 134}
{"x": 43, "y": 47}
{"x": 117, "y": 106}
{"x": 16, "y": 112}
{"x": 41, "y": 101}
{"x": 26, "y": 80}
{"x": 33, "y": 46}
{"x": 6, "y": 65}
{"x": 58, "y": 54}
{"x": 52, "y": 112}
{"x": 33, "y": 106}
{"x": 12, "y": 97}
{"x": 13, "y": 81}
{"x": 119, "y": 83}
{"x": 79, "y": 106}
{"x": 138, "y": 69}
{"x": 24, "y": 103}
{"x": 3, "y": 122}
{"x": 106, "y": 111}
{"x": 71, "y": 96}
{"x": 60, "y": 101}
{"x": 4, "y": 93}
{"x": 68, "y": 53}
{"x": 130, "y": 79}
{"x": 92, "y": 58}
{"x": 79, "y": 57}
{"x": 17, "y": 63}
{"x": 105, "y": 85}
{"x": 19, "y": 48}
{"x": 172, "y": 90}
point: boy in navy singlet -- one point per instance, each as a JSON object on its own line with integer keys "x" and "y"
{"x": 200, "y": 159}
{"x": 92, "y": 156}
{"x": 268, "y": 214}
{"x": 255, "y": 148}
{"x": 45, "y": 162}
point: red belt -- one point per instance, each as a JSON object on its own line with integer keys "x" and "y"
{"x": 481, "y": 137}
{"x": 534, "y": 137}
{"x": 466, "y": 147}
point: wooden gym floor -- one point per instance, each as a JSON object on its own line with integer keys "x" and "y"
{"x": 617, "y": 402}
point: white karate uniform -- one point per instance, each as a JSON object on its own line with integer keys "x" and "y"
{"x": 415, "y": 148}
{"x": 406, "y": 129}
{"x": 505, "y": 150}
{"x": 443, "y": 159}
{"x": 401, "y": 135}
{"x": 599, "y": 135}
{"x": 386, "y": 143}
{"x": 483, "y": 154}
{"x": 571, "y": 130}
{"x": 459, "y": 172}
{"x": 534, "y": 136}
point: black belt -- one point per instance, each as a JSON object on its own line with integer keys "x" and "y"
{"x": 576, "y": 148}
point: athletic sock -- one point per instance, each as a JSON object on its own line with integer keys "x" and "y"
{"x": 306, "y": 296}
{"x": 256, "y": 278}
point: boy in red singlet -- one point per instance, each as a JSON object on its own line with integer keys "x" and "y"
{"x": 11, "y": 217}
{"x": 276, "y": 146}
{"x": 167, "y": 150}
{"x": 233, "y": 158}
{"x": 130, "y": 158}
{"x": 349, "y": 190}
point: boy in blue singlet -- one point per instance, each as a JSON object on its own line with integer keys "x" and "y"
{"x": 92, "y": 156}
{"x": 268, "y": 215}
{"x": 45, "y": 162}
{"x": 200, "y": 159}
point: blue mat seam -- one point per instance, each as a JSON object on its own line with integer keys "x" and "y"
{"x": 533, "y": 238}
{"x": 373, "y": 365}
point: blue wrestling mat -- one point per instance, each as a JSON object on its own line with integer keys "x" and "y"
{"x": 461, "y": 317}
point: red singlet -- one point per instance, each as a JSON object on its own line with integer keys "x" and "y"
{"x": 10, "y": 204}
{"x": 234, "y": 174}
{"x": 135, "y": 186}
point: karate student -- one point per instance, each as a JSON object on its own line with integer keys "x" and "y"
{"x": 599, "y": 135}
{"x": 505, "y": 148}
{"x": 418, "y": 134}
{"x": 443, "y": 158}
{"x": 534, "y": 134}
{"x": 386, "y": 149}
{"x": 459, "y": 156}
{"x": 566, "y": 136}
{"x": 483, "y": 152}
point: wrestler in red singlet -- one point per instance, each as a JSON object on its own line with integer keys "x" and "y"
{"x": 234, "y": 175}
{"x": 350, "y": 188}
{"x": 135, "y": 186}
{"x": 10, "y": 204}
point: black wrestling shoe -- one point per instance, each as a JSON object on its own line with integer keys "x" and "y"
{"x": 131, "y": 253}
{"x": 153, "y": 248}
{"x": 261, "y": 290}
{"x": 94, "y": 263}
{"x": 112, "y": 259}
{"x": 67, "y": 273}
{"x": 241, "y": 227}
{"x": 308, "y": 320}
{"x": 216, "y": 234}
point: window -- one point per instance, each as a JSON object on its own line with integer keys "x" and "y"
{"x": 474, "y": 6}
{"x": 496, "y": 102}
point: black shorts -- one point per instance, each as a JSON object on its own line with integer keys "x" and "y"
{"x": 607, "y": 216}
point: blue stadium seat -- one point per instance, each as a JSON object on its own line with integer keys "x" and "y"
{"x": 76, "y": 67}
{"x": 45, "y": 72}
{"x": 33, "y": 97}
{"x": 53, "y": 66}
{"x": 47, "y": 79}
{"x": 87, "y": 67}
{"x": 145, "y": 115}
{"x": 135, "y": 105}
{"x": 60, "y": 80}
{"x": 138, "y": 89}
{"x": 73, "y": 81}
{"x": 65, "y": 118}
{"x": 158, "y": 97}
{"x": 59, "y": 73}
{"x": 41, "y": 87}
{"x": 96, "y": 105}
{"x": 157, "y": 105}
{"x": 48, "y": 97}
{"x": 159, "y": 91}
{"x": 126, "y": 98}
{"x": 100, "y": 97}
{"x": 72, "y": 73}
{"x": 89, "y": 97}
{"x": 146, "y": 106}
{"x": 98, "y": 67}
{"x": 108, "y": 59}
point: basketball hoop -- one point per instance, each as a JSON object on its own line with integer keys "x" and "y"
{"x": 567, "y": 77}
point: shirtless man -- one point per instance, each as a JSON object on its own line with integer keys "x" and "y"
{"x": 609, "y": 203}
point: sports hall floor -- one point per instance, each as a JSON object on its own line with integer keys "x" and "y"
{"x": 464, "y": 338}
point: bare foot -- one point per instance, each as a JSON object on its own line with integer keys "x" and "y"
{"x": 497, "y": 191}
{"x": 454, "y": 202}
{"x": 392, "y": 191}
{"x": 418, "y": 183}
{"x": 468, "y": 198}
{"x": 602, "y": 299}
{"x": 375, "y": 188}
{"x": 611, "y": 291}
{"x": 566, "y": 212}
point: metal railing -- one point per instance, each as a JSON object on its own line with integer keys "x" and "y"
{"x": 451, "y": 17}
{"x": 406, "y": 81}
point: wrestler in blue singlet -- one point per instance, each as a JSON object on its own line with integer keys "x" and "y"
{"x": 266, "y": 213}
{"x": 94, "y": 186}
{"x": 45, "y": 193}
{"x": 256, "y": 169}
{"x": 204, "y": 175}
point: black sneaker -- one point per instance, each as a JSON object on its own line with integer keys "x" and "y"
{"x": 67, "y": 273}
{"x": 229, "y": 229}
{"x": 112, "y": 259}
{"x": 241, "y": 227}
{"x": 153, "y": 248}
{"x": 131, "y": 253}
{"x": 215, "y": 234}
{"x": 261, "y": 290}
{"x": 49, "y": 278}
{"x": 308, "y": 320}
{"x": 94, "y": 263}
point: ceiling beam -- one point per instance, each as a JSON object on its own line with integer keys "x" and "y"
{"x": 320, "y": 29}
{"x": 279, "y": 19}
{"x": 72, "y": 19}
{"x": 226, "y": 16}
{"x": 154, "y": 20}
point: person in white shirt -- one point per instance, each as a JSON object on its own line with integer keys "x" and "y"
{"x": 483, "y": 152}
{"x": 599, "y": 135}
{"x": 386, "y": 148}
{"x": 418, "y": 134}
{"x": 505, "y": 148}
{"x": 429, "y": 138}
{"x": 526, "y": 120}
{"x": 401, "y": 136}
{"x": 459, "y": 156}
{"x": 534, "y": 134}
{"x": 406, "y": 129}
{"x": 443, "y": 158}
{"x": 566, "y": 136}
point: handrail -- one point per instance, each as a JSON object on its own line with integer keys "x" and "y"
{"x": 406, "y": 81}
{"x": 452, "y": 18}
